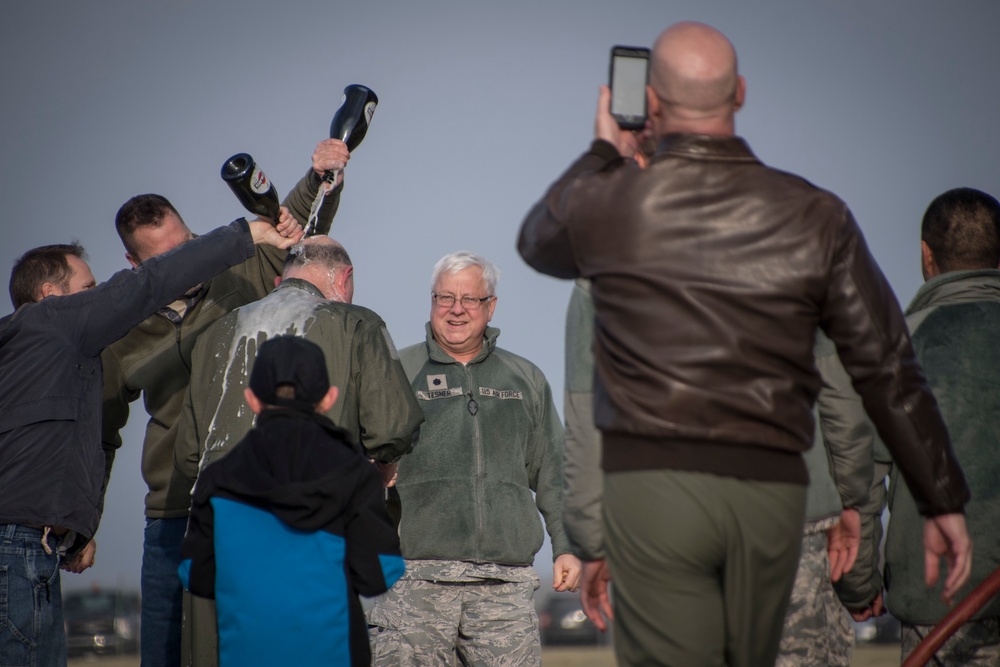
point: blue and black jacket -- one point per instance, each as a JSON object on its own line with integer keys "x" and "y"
{"x": 285, "y": 532}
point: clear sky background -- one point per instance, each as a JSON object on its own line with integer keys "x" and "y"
{"x": 482, "y": 105}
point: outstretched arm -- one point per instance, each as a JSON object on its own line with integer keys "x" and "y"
{"x": 330, "y": 154}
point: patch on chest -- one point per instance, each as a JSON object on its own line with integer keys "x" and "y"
{"x": 501, "y": 393}
{"x": 430, "y": 395}
{"x": 437, "y": 382}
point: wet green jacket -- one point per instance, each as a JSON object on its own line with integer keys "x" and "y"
{"x": 375, "y": 406}
{"x": 490, "y": 438}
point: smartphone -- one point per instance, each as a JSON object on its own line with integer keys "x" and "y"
{"x": 628, "y": 78}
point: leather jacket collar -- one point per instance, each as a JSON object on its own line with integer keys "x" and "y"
{"x": 704, "y": 145}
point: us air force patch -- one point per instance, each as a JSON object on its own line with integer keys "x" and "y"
{"x": 502, "y": 394}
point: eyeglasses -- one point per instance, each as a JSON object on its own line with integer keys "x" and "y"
{"x": 468, "y": 302}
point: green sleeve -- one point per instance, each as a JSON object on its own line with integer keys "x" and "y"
{"x": 545, "y": 473}
{"x": 388, "y": 411}
{"x": 583, "y": 480}
{"x": 848, "y": 434}
{"x": 299, "y": 202}
{"x": 857, "y": 588}
{"x": 115, "y": 410}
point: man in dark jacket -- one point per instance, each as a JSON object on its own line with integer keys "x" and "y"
{"x": 710, "y": 275}
{"x": 291, "y": 526}
{"x": 817, "y": 630}
{"x": 52, "y": 469}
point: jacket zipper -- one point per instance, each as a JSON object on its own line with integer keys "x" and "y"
{"x": 477, "y": 443}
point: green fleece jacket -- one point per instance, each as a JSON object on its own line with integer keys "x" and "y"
{"x": 154, "y": 360}
{"x": 375, "y": 407}
{"x": 954, "y": 319}
{"x": 490, "y": 438}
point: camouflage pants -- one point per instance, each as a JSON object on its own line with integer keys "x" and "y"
{"x": 817, "y": 629}
{"x": 444, "y": 623}
{"x": 977, "y": 643}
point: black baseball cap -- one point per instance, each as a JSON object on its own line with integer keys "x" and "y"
{"x": 290, "y": 360}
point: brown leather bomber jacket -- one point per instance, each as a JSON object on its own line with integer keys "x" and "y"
{"x": 711, "y": 273}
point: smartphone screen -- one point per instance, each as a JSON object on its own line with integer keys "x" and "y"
{"x": 629, "y": 67}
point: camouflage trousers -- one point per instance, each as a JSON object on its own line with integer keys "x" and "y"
{"x": 450, "y": 623}
{"x": 976, "y": 643}
{"x": 818, "y": 629}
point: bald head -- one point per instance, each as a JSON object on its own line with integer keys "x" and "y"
{"x": 325, "y": 263}
{"x": 695, "y": 80}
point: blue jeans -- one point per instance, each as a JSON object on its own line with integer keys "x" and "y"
{"x": 161, "y": 592}
{"x": 31, "y": 617}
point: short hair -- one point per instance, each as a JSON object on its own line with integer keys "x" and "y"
{"x": 962, "y": 229}
{"x": 463, "y": 259}
{"x": 328, "y": 255}
{"x": 141, "y": 211}
{"x": 46, "y": 264}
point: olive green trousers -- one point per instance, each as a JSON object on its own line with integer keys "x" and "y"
{"x": 702, "y": 566}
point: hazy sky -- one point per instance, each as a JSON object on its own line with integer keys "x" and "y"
{"x": 482, "y": 105}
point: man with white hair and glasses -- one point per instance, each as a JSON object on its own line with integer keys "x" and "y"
{"x": 469, "y": 526}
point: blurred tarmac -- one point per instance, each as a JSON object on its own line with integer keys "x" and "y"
{"x": 865, "y": 655}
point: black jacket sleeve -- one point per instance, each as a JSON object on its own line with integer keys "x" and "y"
{"x": 374, "y": 561}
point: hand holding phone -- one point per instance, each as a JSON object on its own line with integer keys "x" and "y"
{"x": 629, "y": 74}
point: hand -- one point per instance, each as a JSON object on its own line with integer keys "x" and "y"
{"x": 594, "y": 593}
{"x": 606, "y": 127}
{"x": 566, "y": 573}
{"x": 388, "y": 471}
{"x": 286, "y": 233}
{"x": 82, "y": 560}
{"x": 876, "y": 608}
{"x": 842, "y": 544}
{"x": 626, "y": 141}
{"x": 331, "y": 155}
{"x": 288, "y": 226}
{"x": 947, "y": 536}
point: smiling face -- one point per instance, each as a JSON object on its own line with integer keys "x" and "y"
{"x": 458, "y": 330}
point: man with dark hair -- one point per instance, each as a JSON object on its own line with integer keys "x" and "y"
{"x": 711, "y": 273}
{"x": 47, "y": 270}
{"x": 145, "y": 211}
{"x": 52, "y": 471}
{"x": 959, "y": 232}
{"x": 299, "y": 492}
{"x": 312, "y": 299}
{"x": 154, "y": 361}
{"x": 954, "y": 319}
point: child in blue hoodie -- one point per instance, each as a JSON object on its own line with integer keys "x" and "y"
{"x": 290, "y": 527}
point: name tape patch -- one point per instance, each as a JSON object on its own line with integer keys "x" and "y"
{"x": 438, "y": 393}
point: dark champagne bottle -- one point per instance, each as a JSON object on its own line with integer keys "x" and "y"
{"x": 251, "y": 186}
{"x": 350, "y": 122}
